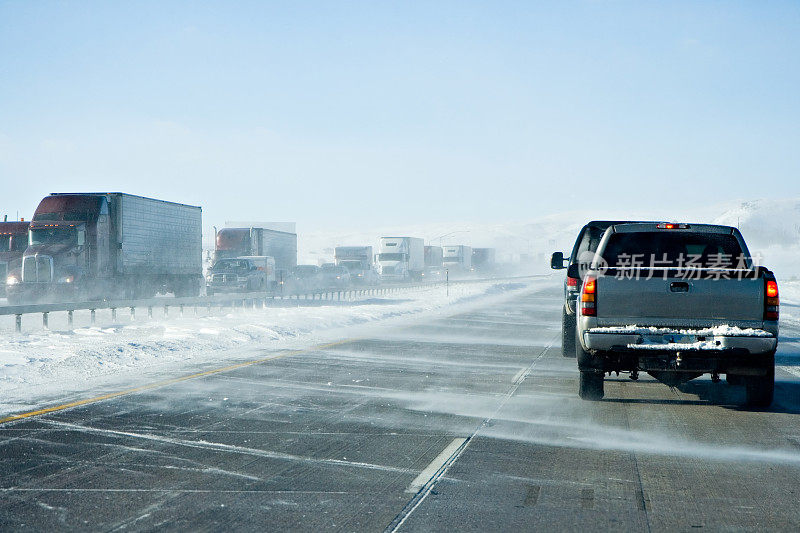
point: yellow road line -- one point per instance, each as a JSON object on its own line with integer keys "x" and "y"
{"x": 165, "y": 382}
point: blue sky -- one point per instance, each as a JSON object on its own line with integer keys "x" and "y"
{"x": 354, "y": 114}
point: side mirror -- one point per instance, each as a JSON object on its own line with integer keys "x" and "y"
{"x": 574, "y": 271}
{"x": 81, "y": 237}
{"x": 557, "y": 261}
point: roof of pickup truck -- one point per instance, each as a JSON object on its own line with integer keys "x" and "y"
{"x": 639, "y": 227}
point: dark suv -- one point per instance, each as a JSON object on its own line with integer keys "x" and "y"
{"x": 582, "y": 254}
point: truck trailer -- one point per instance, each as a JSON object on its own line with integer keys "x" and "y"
{"x": 13, "y": 242}
{"x": 401, "y": 258}
{"x": 109, "y": 245}
{"x": 257, "y": 241}
{"x": 359, "y": 262}
{"x": 457, "y": 258}
{"x": 483, "y": 259}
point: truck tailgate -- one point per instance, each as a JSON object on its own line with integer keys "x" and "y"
{"x": 679, "y": 302}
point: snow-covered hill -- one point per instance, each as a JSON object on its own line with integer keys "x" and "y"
{"x": 771, "y": 228}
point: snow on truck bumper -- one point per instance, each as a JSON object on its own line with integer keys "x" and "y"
{"x": 650, "y": 340}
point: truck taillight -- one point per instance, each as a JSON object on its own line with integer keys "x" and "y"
{"x": 588, "y": 301}
{"x": 572, "y": 282}
{"x": 771, "y": 301}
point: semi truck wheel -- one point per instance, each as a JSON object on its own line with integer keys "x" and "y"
{"x": 591, "y": 386}
{"x": 567, "y": 334}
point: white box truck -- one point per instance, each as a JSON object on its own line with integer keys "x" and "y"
{"x": 401, "y": 258}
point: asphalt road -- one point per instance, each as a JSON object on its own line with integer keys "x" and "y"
{"x": 470, "y": 422}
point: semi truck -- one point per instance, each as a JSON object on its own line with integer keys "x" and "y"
{"x": 109, "y": 245}
{"x": 401, "y": 258}
{"x": 434, "y": 271}
{"x": 257, "y": 241}
{"x": 433, "y": 256}
{"x": 359, "y": 261}
{"x": 13, "y": 241}
{"x": 457, "y": 257}
{"x": 483, "y": 259}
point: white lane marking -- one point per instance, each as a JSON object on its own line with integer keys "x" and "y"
{"x": 791, "y": 370}
{"x": 435, "y": 465}
{"x": 423, "y": 493}
{"x": 518, "y": 376}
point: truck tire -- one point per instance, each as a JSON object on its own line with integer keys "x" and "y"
{"x": 761, "y": 389}
{"x": 567, "y": 334}
{"x": 590, "y": 386}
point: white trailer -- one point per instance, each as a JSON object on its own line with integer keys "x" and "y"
{"x": 401, "y": 258}
{"x": 458, "y": 257}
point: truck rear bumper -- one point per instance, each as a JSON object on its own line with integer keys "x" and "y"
{"x": 647, "y": 344}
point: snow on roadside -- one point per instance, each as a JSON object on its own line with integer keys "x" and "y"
{"x": 39, "y": 366}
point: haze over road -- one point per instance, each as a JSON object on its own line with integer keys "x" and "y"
{"x": 470, "y": 421}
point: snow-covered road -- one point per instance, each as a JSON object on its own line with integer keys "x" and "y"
{"x": 41, "y": 366}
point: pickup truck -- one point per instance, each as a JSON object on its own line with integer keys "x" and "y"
{"x": 241, "y": 274}
{"x": 677, "y": 301}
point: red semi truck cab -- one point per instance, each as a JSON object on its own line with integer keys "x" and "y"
{"x": 62, "y": 247}
{"x": 232, "y": 242}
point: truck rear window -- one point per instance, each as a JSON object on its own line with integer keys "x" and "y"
{"x": 673, "y": 250}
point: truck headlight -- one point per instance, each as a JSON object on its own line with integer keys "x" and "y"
{"x": 241, "y": 279}
{"x": 12, "y": 280}
{"x": 209, "y": 278}
{"x": 66, "y": 279}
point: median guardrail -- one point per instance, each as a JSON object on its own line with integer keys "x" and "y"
{"x": 220, "y": 300}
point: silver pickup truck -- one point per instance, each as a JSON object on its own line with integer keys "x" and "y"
{"x": 677, "y": 301}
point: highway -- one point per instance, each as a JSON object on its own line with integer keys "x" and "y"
{"x": 467, "y": 422}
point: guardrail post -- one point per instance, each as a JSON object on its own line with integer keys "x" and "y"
{"x": 181, "y": 310}
{"x": 44, "y": 321}
{"x": 69, "y": 319}
{"x": 166, "y": 311}
{"x": 113, "y": 313}
{"x": 133, "y": 313}
{"x": 94, "y": 316}
{"x": 18, "y": 325}
{"x": 149, "y": 311}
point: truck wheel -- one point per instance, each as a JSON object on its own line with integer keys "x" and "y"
{"x": 591, "y": 386}
{"x": 760, "y": 389}
{"x": 567, "y": 334}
